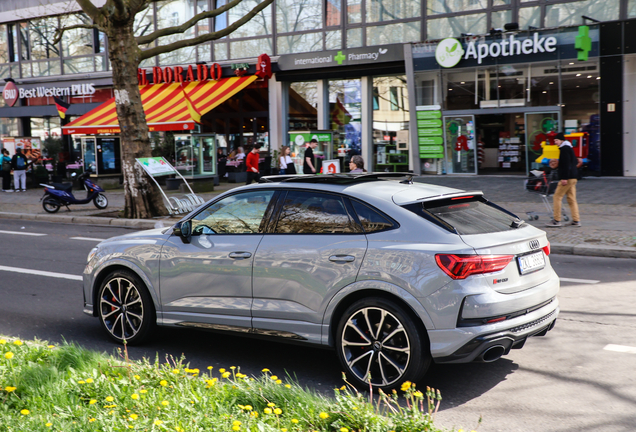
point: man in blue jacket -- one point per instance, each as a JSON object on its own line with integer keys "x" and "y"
{"x": 19, "y": 163}
{"x": 568, "y": 174}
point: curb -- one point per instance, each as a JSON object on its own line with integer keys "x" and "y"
{"x": 555, "y": 248}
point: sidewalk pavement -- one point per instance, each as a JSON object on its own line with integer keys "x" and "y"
{"x": 607, "y": 206}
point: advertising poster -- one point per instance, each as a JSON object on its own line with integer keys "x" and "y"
{"x": 31, "y": 147}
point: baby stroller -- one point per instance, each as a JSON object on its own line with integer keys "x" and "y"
{"x": 543, "y": 184}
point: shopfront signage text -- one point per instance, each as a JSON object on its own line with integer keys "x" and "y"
{"x": 169, "y": 75}
{"x": 12, "y": 93}
{"x": 345, "y": 57}
{"x": 510, "y": 46}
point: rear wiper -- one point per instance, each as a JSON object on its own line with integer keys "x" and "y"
{"x": 517, "y": 223}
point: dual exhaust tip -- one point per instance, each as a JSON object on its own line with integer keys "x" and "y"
{"x": 492, "y": 353}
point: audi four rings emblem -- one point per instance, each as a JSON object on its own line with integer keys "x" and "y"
{"x": 534, "y": 244}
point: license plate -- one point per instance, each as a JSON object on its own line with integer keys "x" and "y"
{"x": 532, "y": 262}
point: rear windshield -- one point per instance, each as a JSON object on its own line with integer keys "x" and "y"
{"x": 470, "y": 215}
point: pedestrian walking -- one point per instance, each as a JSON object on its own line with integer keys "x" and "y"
{"x": 568, "y": 174}
{"x": 309, "y": 165}
{"x": 251, "y": 162}
{"x": 5, "y": 167}
{"x": 19, "y": 163}
{"x": 285, "y": 162}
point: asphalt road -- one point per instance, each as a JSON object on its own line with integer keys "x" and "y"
{"x": 575, "y": 378}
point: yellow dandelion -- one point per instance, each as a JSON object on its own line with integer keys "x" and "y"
{"x": 271, "y": 404}
{"x": 344, "y": 429}
{"x": 175, "y": 371}
{"x": 51, "y": 346}
{"x": 248, "y": 408}
{"x": 89, "y": 381}
{"x": 267, "y": 410}
{"x": 163, "y": 383}
{"x": 279, "y": 381}
{"x": 134, "y": 416}
{"x": 10, "y": 389}
{"x": 323, "y": 415}
{"x": 226, "y": 375}
{"x": 25, "y": 412}
{"x": 283, "y": 430}
{"x": 254, "y": 414}
{"x": 17, "y": 342}
{"x": 137, "y": 377}
{"x": 194, "y": 371}
{"x": 165, "y": 403}
{"x": 236, "y": 423}
{"x": 2, "y": 341}
{"x": 8, "y": 355}
{"x": 288, "y": 385}
{"x": 274, "y": 377}
{"x": 265, "y": 370}
{"x": 236, "y": 428}
{"x": 232, "y": 367}
{"x": 294, "y": 421}
{"x": 158, "y": 422}
{"x": 92, "y": 402}
{"x": 221, "y": 370}
{"x": 143, "y": 391}
{"x": 210, "y": 367}
{"x": 109, "y": 398}
{"x": 81, "y": 382}
{"x": 49, "y": 424}
{"x": 418, "y": 394}
{"x": 134, "y": 396}
{"x": 406, "y": 385}
{"x": 91, "y": 420}
{"x": 278, "y": 411}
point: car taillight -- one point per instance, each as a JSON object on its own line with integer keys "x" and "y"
{"x": 462, "y": 266}
{"x": 546, "y": 249}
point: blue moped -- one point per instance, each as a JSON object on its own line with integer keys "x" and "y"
{"x": 57, "y": 195}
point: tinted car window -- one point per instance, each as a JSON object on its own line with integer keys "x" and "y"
{"x": 305, "y": 212}
{"x": 468, "y": 216}
{"x": 371, "y": 220}
{"x": 237, "y": 214}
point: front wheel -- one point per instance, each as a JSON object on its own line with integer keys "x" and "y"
{"x": 126, "y": 310}
{"x": 100, "y": 201}
{"x": 50, "y": 205}
{"x": 378, "y": 342}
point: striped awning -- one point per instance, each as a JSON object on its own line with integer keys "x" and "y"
{"x": 168, "y": 107}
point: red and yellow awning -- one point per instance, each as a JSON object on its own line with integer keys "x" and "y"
{"x": 168, "y": 107}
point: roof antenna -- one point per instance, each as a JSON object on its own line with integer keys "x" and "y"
{"x": 408, "y": 180}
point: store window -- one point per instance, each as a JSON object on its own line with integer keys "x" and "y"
{"x": 77, "y": 41}
{"x": 260, "y": 25}
{"x": 303, "y": 104}
{"x": 499, "y": 18}
{"x": 354, "y": 38}
{"x": 299, "y": 43}
{"x": 354, "y": 11}
{"x": 393, "y": 33}
{"x": 298, "y": 15}
{"x": 333, "y": 40}
{"x": 9, "y": 126}
{"x": 388, "y": 10}
{"x": 345, "y": 104}
{"x": 436, "y": 7}
{"x": 390, "y": 125}
{"x": 440, "y": 28}
{"x": 530, "y": 17}
{"x": 4, "y": 44}
{"x": 173, "y": 13}
{"x": 564, "y": 14}
{"x": 43, "y": 127}
{"x": 250, "y": 48}
{"x": 631, "y": 8}
{"x": 334, "y": 8}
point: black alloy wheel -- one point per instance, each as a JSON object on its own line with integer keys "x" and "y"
{"x": 125, "y": 307}
{"x": 51, "y": 205}
{"x": 378, "y": 342}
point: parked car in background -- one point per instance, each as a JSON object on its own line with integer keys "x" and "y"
{"x": 392, "y": 274}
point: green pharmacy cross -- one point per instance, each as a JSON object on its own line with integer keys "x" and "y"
{"x": 583, "y": 43}
{"x": 340, "y": 57}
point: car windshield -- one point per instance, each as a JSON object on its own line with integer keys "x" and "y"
{"x": 467, "y": 215}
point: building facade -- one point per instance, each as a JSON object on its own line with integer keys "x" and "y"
{"x": 366, "y": 71}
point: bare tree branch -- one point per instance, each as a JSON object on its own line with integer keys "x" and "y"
{"x": 60, "y": 31}
{"x": 90, "y": 9}
{"x": 142, "y": 40}
{"x": 206, "y": 37}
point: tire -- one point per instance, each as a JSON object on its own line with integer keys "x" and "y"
{"x": 396, "y": 352}
{"x": 51, "y": 205}
{"x": 135, "y": 321}
{"x": 100, "y": 201}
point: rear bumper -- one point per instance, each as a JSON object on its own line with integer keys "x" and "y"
{"x": 467, "y": 344}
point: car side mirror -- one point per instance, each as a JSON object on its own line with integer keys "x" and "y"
{"x": 183, "y": 230}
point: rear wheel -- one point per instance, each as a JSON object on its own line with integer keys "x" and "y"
{"x": 51, "y": 205}
{"x": 100, "y": 201}
{"x": 378, "y": 342}
{"x": 126, "y": 310}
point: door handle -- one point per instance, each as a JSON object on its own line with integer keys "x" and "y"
{"x": 342, "y": 258}
{"x": 240, "y": 255}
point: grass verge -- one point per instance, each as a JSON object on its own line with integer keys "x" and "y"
{"x": 67, "y": 388}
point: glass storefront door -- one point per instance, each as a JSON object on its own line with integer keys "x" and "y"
{"x": 459, "y": 142}
{"x": 208, "y": 154}
{"x": 89, "y": 153}
{"x": 539, "y": 127}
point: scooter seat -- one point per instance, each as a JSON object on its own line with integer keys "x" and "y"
{"x": 66, "y": 187}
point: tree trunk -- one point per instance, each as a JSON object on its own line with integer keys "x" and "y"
{"x": 143, "y": 199}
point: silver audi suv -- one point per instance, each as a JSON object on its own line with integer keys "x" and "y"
{"x": 391, "y": 273}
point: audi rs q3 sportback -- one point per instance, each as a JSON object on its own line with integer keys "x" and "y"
{"x": 393, "y": 274}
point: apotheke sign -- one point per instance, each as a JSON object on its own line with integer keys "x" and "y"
{"x": 507, "y": 46}
{"x": 12, "y": 93}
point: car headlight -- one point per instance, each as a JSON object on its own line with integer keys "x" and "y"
{"x": 91, "y": 254}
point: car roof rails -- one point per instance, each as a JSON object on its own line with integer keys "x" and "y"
{"x": 344, "y": 178}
